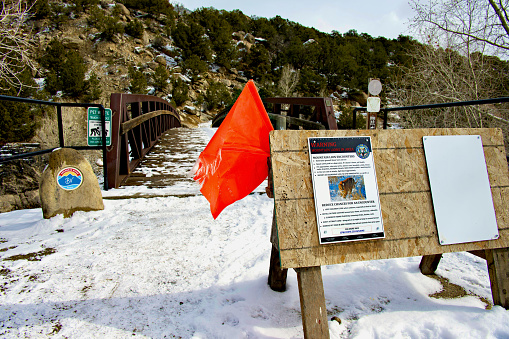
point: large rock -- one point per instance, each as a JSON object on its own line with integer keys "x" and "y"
{"x": 68, "y": 185}
{"x": 19, "y": 185}
{"x": 72, "y": 43}
{"x": 123, "y": 9}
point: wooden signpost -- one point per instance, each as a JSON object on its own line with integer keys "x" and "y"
{"x": 407, "y": 211}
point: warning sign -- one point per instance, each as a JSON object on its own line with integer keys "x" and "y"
{"x": 94, "y": 126}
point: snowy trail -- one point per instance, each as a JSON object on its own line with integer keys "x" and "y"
{"x": 161, "y": 267}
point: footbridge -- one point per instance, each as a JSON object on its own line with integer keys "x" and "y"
{"x": 144, "y": 129}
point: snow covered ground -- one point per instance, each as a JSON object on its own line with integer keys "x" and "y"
{"x": 161, "y": 267}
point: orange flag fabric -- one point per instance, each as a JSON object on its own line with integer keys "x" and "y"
{"x": 234, "y": 162}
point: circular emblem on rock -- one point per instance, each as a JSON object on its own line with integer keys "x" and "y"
{"x": 69, "y": 178}
{"x": 362, "y": 151}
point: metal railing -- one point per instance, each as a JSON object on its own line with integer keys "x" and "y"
{"x": 321, "y": 116}
{"x": 430, "y": 106}
{"x": 59, "y": 106}
{"x": 137, "y": 123}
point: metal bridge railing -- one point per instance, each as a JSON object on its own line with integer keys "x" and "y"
{"x": 59, "y": 106}
{"x": 321, "y": 116}
{"x": 430, "y": 106}
{"x": 137, "y": 123}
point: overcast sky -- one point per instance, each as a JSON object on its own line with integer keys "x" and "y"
{"x": 375, "y": 17}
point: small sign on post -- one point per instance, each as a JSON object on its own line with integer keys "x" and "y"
{"x": 94, "y": 136}
{"x": 373, "y": 102}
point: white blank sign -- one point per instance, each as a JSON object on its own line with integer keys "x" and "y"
{"x": 460, "y": 189}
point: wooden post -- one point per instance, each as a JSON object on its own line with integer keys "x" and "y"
{"x": 429, "y": 263}
{"x": 277, "y": 275}
{"x": 498, "y": 269}
{"x": 312, "y": 303}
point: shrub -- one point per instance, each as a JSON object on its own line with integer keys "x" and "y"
{"x": 65, "y": 70}
{"x": 344, "y": 120}
{"x": 59, "y": 14}
{"x": 18, "y": 121}
{"x": 93, "y": 89}
{"x": 217, "y": 95}
{"x": 160, "y": 78}
{"x": 135, "y": 29}
{"x": 158, "y": 42}
{"x": 153, "y": 7}
{"x": 81, "y": 6}
{"x": 138, "y": 82}
{"x": 180, "y": 91}
{"x": 41, "y": 9}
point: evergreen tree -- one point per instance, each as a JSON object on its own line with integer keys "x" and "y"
{"x": 73, "y": 75}
{"x": 217, "y": 95}
{"x": 93, "y": 89}
{"x": 195, "y": 67}
{"x": 65, "y": 70}
{"x": 135, "y": 29}
{"x": 180, "y": 91}
{"x": 160, "y": 79}
{"x": 137, "y": 81}
{"x": 18, "y": 121}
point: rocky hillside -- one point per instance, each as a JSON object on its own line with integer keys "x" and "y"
{"x": 111, "y": 60}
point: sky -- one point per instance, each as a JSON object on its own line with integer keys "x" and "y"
{"x": 376, "y": 18}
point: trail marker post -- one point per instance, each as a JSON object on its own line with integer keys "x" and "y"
{"x": 407, "y": 211}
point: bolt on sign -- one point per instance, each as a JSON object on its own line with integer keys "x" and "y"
{"x": 94, "y": 129}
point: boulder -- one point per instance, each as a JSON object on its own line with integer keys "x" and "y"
{"x": 238, "y": 36}
{"x": 160, "y": 59}
{"x": 249, "y": 38}
{"x": 68, "y": 184}
{"x": 24, "y": 200}
{"x": 123, "y": 9}
{"x": 72, "y": 43}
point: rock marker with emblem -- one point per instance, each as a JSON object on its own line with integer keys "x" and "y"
{"x": 68, "y": 185}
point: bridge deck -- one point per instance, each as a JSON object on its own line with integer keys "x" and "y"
{"x": 170, "y": 161}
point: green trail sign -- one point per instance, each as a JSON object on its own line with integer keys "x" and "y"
{"x": 94, "y": 126}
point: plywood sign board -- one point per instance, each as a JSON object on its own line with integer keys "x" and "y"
{"x": 404, "y": 190}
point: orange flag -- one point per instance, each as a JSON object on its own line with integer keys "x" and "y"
{"x": 234, "y": 162}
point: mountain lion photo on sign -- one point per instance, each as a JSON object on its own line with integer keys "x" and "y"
{"x": 347, "y": 188}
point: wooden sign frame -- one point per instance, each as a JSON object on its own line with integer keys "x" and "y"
{"x": 407, "y": 211}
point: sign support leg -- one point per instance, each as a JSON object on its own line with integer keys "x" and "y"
{"x": 277, "y": 275}
{"x": 498, "y": 269}
{"x": 312, "y": 303}
{"x": 429, "y": 263}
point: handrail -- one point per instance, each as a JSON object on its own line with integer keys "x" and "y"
{"x": 440, "y": 105}
{"x": 323, "y": 112}
{"x": 59, "y": 106}
{"x": 129, "y": 125}
{"x": 321, "y": 118}
{"x": 286, "y": 120}
{"x": 138, "y": 121}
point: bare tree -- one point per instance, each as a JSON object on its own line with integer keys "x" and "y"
{"x": 444, "y": 75}
{"x": 464, "y": 25}
{"x": 288, "y": 81}
{"x": 15, "y": 43}
{"x": 456, "y": 63}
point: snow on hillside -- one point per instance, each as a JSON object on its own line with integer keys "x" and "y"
{"x": 161, "y": 267}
